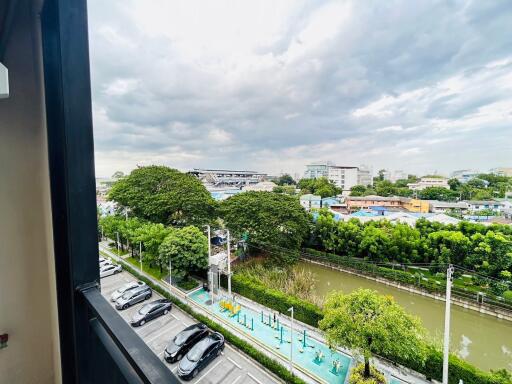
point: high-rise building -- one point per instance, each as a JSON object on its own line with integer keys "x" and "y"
{"x": 344, "y": 177}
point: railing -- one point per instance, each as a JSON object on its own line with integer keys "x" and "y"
{"x": 135, "y": 361}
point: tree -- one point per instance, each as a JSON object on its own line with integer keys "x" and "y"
{"x": 370, "y": 324}
{"x": 437, "y": 193}
{"x": 111, "y": 226}
{"x": 151, "y": 235}
{"x": 381, "y": 174}
{"x": 273, "y": 221}
{"x": 187, "y": 248}
{"x": 357, "y": 190}
{"x": 454, "y": 184}
{"x": 321, "y": 186}
{"x": 285, "y": 179}
{"x": 164, "y": 195}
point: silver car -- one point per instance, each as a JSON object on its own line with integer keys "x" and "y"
{"x": 134, "y": 296}
{"x": 110, "y": 269}
{"x": 125, "y": 288}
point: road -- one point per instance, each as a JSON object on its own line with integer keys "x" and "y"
{"x": 230, "y": 368}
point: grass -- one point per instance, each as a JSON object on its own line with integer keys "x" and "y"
{"x": 153, "y": 271}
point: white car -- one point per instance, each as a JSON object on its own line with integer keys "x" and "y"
{"x": 110, "y": 269}
{"x": 125, "y": 288}
{"x": 104, "y": 262}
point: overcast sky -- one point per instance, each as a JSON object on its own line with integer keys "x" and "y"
{"x": 421, "y": 86}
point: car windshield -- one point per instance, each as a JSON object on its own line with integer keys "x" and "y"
{"x": 197, "y": 352}
{"x": 125, "y": 287}
{"x": 127, "y": 295}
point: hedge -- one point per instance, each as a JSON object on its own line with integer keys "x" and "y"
{"x": 310, "y": 314}
{"x": 269, "y": 363}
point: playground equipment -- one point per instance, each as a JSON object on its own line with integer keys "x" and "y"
{"x": 319, "y": 357}
{"x": 230, "y": 306}
{"x": 336, "y": 367}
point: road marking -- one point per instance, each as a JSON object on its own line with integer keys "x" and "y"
{"x": 206, "y": 373}
{"x": 174, "y": 369}
{"x": 234, "y": 362}
{"x": 238, "y": 378}
{"x": 252, "y": 377}
{"x": 159, "y": 334}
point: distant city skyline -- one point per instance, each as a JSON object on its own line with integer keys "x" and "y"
{"x": 421, "y": 87}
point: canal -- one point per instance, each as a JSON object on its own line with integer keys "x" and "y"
{"x": 482, "y": 340}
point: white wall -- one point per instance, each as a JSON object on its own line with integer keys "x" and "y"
{"x": 27, "y": 278}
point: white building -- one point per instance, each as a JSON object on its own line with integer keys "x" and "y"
{"x": 447, "y": 206}
{"x": 344, "y": 177}
{"x": 502, "y": 171}
{"x": 427, "y": 182}
{"x": 464, "y": 175}
{"x": 480, "y": 205}
{"x": 310, "y": 201}
{"x": 263, "y": 186}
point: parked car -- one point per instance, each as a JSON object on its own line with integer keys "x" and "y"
{"x": 184, "y": 341}
{"x": 125, "y": 288}
{"x": 102, "y": 259}
{"x": 151, "y": 311}
{"x": 201, "y": 355}
{"x": 134, "y": 296}
{"x": 105, "y": 262}
{"x": 110, "y": 269}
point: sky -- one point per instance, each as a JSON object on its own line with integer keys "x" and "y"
{"x": 270, "y": 86}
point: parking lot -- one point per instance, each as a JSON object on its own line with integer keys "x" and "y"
{"x": 231, "y": 367}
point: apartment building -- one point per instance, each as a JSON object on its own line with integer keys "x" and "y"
{"x": 428, "y": 182}
{"x": 344, "y": 177}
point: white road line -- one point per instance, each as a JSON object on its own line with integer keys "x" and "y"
{"x": 174, "y": 369}
{"x": 238, "y": 378}
{"x": 251, "y": 362}
{"x": 252, "y": 377}
{"x": 234, "y": 362}
{"x": 165, "y": 329}
{"x": 173, "y": 315}
{"x": 207, "y": 372}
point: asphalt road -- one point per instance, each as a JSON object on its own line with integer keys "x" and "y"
{"x": 230, "y": 368}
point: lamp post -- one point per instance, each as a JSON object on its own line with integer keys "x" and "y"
{"x": 209, "y": 260}
{"x": 140, "y": 254}
{"x": 117, "y": 243}
{"x": 170, "y": 275}
{"x": 446, "y": 345}
{"x": 291, "y": 341}
{"x": 229, "y": 266}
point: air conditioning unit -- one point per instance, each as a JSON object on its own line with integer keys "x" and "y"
{"x": 4, "y": 82}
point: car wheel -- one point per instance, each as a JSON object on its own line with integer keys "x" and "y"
{"x": 219, "y": 351}
{"x": 194, "y": 374}
{"x": 142, "y": 322}
{"x": 125, "y": 306}
{"x": 178, "y": 357}
{"x": 166, "y": 312}
{"x": 147, "y": 297}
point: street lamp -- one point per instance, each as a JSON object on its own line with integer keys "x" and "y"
{"x": 446, "y": 346}
{"x": 170, "y": 275}
{"x": 140, "y": 254}
{"x": 291, "y": 341}
{"x": 229, "y": 266}
{"x": 209, "y": 261}
{"x": 117, "y": 243}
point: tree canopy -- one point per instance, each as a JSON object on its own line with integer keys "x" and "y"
{"x": 269, "y": 219}
{"x": 164, "y": 195}
{"x": 370, "y": 324}
{"x": 187, "y": 248}
{"x": 321, "y": 186}
{"x": 285, "y": 179}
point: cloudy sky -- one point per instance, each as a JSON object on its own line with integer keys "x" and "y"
{"x": 421, "y": 86}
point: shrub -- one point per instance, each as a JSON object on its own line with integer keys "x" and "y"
{"x": 507, "y": 295}
{"x": 357, "y": 376}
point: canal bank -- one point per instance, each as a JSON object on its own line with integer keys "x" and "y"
{"x": 481, "y": 339}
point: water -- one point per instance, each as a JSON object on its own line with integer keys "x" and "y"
{"x": 482, "y": 340}
{"x": 253, "y": 324}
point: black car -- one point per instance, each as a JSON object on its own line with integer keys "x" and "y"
{"x": 201, "y": 355}
{"x": 183, "y": 341}
{"x": 151, "y": 311}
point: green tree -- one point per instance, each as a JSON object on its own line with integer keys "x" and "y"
{"x": 187, "y": 248}
{"x": 375, "y": 243}
{"x": 285, "y": 179}
{"x": 357, "y": 190}
{"x": 454, "y": 184}
{"x": 321, "y": 186}
{"x": 151, "y": 235}
{"x": 164, "y": 195}
{"x": 111, "y": 226}
{"x": 270, "y": 219}
{"x": 370, "y": 324}
{"x": 448, "y": 247}
{"x": 437, "y": 193}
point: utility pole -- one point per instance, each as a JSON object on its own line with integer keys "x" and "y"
{"x": 229, "y": 266}
{"x": 117, "y": 243}
{"x": 170, "y": 275}
{"x": 140, "y": 254}
{"x": 446, "y": 345}
{"x": 291, "y": 341}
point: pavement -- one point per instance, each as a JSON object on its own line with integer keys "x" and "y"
{"x": 230, "y": 368}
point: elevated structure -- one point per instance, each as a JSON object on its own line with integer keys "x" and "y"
{"x": 223, "y": 178}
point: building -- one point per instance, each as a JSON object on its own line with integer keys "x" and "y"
{"x": 464, "y": 175}
{"x": 310, "y": 202}
{"x": 480, "y": 205}
{"x": 416, "y": 205}
{"x": 223, "y": 178}
{"x": 262, "y": 186}
{"x": 344, "y": 177}
{"x": 502, "y": 171}
{"x": 327, "y": 202}
{"x": 447, "y": 206}
{"x": 427, "y": 182}
{"x": 355, "y": 203}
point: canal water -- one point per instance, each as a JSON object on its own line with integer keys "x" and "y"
{"x": 482, "y": 340}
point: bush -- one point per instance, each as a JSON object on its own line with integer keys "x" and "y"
{"x": 357, "y": 376}
{"x": 507, "y": 295}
